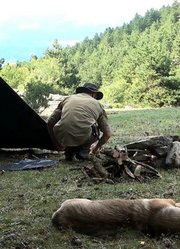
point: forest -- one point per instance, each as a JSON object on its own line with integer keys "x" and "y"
{"x": 136, "y": 64}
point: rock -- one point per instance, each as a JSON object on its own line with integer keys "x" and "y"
{"x": 173, "y": 155}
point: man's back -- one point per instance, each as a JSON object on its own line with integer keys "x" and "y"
{"x": 79, "y": 112}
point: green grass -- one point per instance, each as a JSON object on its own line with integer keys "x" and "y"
{"x": 133, "y": 125}
{"x": 28, "y": 198}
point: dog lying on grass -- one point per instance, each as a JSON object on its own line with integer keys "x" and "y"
{"x": 153, "y": 216}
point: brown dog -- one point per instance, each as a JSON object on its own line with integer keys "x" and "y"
{"x": 148, "y": 215}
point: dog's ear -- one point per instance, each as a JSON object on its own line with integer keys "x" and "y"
{"x": 115, "y": 153}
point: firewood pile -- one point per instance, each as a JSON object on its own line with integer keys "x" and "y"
{"x": 138, "y": 161}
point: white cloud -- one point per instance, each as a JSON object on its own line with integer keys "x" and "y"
{"x": 66, "y": 20}
{"x": 81, "y": 12}
{"x": 29, "y": 26}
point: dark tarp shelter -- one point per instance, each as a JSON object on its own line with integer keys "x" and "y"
{"x": 20, "y": 126}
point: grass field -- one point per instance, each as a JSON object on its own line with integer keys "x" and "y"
{"x": 28, "y": 198}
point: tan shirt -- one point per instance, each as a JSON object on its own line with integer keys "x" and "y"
{"x": 74, "y": 117}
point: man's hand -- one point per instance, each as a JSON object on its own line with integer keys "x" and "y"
{"x": 59, "y": 147}
{"x": 94, "y": 149}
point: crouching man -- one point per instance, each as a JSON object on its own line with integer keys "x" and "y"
{"x": 77, "y": 122}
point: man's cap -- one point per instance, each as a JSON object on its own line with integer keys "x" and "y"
{"x": 89, "y": 87}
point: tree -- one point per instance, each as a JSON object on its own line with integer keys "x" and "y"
{"x": 2, "y": 60}
{"x": 36, "y": 95}
{"x": 67, "y": 77}
{"x": 15, "y": 75}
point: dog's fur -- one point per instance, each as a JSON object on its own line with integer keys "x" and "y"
{"x": 153, "y": 216}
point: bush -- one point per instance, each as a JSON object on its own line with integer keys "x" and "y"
{"x": 36, "y": 95}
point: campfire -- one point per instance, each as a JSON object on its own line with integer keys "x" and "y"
{"x": 139, "y": 160}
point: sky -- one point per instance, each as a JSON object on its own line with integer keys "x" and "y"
{"x": 29, "y": 27}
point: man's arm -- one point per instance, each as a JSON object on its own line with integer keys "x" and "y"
{"x": 106, "y": 132}
{"x": 53, "y": 119}
{"x": 104, "y": 138}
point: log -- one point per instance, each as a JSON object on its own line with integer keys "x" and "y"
{"x": 158, "y": 145}
{"x": 99, "y": 168}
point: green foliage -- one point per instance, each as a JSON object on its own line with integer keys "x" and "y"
{"x": 67, "y": 73}
{"x": 114, "y": 92}
{"x": 44, "y": 70}
{"x": 2, "y": 60}
{"x": 15, "y": 75}
{"x": 36, "y": 95}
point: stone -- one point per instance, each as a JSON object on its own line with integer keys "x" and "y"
{"x": 173, "y": 155}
